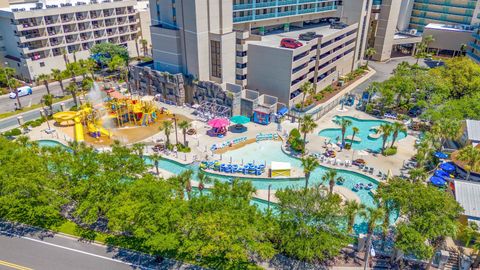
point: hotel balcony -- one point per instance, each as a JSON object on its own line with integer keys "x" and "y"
{"x": 56, "y": 41}
{"x": 67, "y": 18}
{"x": 80, "y": 16}
{"x": 121, "y": 11}
{"x": 96, "y": 14}
{"x": 52, "y": 19}
{"x": 108, "y": 12}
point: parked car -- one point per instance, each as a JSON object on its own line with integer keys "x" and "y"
{"x": 308, "y": 36}
{"x": 22, "y": 91}
{"x": 338, "y": 25}
{"x": 290, "y": 43}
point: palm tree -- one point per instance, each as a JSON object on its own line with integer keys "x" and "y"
{"x": 73, "y": 88}
{"x": 138, "y": 149}
{"x": 166, "y": 127}
{"x": 144, "y": 43}
{"x": 156, "y": 159}
{"x": 385, "y": 130}
{"x": 309, "y": 164}
{"x": 397, "y": 127}
{"x": 307, "y": 125}
{"x": 65, "y": 57}
{"x": 184, "y": 126}
{"x": 12, "y": 83}
{"x": 59, "y": 76}
{"x": 372, "y": 215}
{"x": 344, "y": 123}
{"x": 90, "y": 66}
{"x": 331, "y": 177}
{"x": 352, "y": 208}
{"x": 136, "y": 46}
{"x": 23, "y": 140}
{"x": 369, "y": 53}
{"x": 48, "y": 101}
{"x": 417, "y": 175}
{"x": 470, "y": 155}
{"x": 355, "y": 130}
{"x": 185, "y": 184}
{"x": 463, "y": 48}
{"x": 306, "y": 89}
{"x": 447, "y": 129}
{"x": 43, "y": 78}
{"x": 203, "y": 179}
{"x": 420, "y": 51}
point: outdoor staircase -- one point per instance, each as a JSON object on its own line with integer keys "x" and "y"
{"x": 453, "y": 261}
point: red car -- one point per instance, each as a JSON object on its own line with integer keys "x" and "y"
{"x": 290, "y": 43}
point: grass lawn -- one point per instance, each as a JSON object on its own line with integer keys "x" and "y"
{"x": 33, "y": 107}
{"x": 70, "y": 228}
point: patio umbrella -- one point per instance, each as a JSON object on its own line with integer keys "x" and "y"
{"x": 219, "y": 122}
{"x": 437, "y": 181}
{"x": 239, "y": 119}
{"x": 448, "y": 167}
{"x": 441, "y": 155}
{"x": 441, "y": 174}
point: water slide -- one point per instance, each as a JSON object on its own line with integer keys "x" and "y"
{"x": 79, "y": 137}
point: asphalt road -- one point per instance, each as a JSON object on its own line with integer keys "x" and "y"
{"x": 11, "y": 122}
{"x": 25, "y": 248}
{"x": 7, "y": 104}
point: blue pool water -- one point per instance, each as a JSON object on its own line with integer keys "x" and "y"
{"x": 366, "y": 128}
{"x": 51, "y": 143}
{"x": 268, "y": 151}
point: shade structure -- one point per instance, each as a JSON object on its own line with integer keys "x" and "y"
{"x": 442, "y": 174}
{"x": 441, "y": 155}
{"x": 437, "y": 181}
{"x": 282, "y": 111}
{"x": 448, "y": 167}
{"x": 219, "y": 122}
{"x": 239, "y": 119}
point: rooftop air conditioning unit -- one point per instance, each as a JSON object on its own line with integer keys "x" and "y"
{"x": 413, "y": 31}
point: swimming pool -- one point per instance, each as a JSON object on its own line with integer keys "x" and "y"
{"x": 271, "y": 151}
{"x": 51, "y": 143}
{"x": 366, "y": 128}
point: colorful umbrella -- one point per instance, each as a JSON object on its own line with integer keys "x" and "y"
{"x": 239, "y": 119}
{"x": 441, "y": 155}
{"x": 448, "y": 167}
{"x": 219, "y": 122}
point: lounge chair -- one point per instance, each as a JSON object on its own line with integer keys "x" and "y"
{"x": 371, "y": 170}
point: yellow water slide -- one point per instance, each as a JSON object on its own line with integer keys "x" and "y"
{"x": 79, "y": 137}
{"x": 61, "y": 117}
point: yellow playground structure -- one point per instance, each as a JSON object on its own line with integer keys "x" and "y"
{"x": 117, "y": 111}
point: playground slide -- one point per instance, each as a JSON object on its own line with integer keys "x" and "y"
{"x": 64, "y": 116}
{"x": 105, "y": 132}
{"x": 79, "y": 137}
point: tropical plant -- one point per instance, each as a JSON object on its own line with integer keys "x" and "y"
{"x": 73, "y": 88}
{"x": 166, "y": 127}
{"x": 184, "y": 126}
{"x": 385, "y": 130}
{"x": 351, "y": 209}
{"x": 373, "y": 216}
{"x": 330, "y": 176}
{"x": 138, "y": 149}
{"x": 307, "y": 125}
{"x": 156, "y": 161}
{"x": 59, "y": 76}
{"x": 344, "y": 123}
{"x": 144, "y": 44}
{"x": 203, "y": 179}
{"x": 355, "y": 130}
{"x": 48, "y": 101}
{"x": 417, "y": 175}
{"x": 44, "y": 78}
{"x": 471, "y": 156}
{"x": 397, "y": 128}
{"x": 369, "y": 53}
{"x": 309, "y": 164}
{"x": 116, "y": 63}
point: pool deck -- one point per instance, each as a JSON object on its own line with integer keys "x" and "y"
{"x": 296, "y": 173}
{"x": 344, "y": 192}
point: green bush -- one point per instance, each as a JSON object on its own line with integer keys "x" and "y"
{"x": 328, "y": 89}
{"x": 13, "y": 132}
{"x": 390, "y": 151}
{"x": 369, "y": 108}
{"x": 295, "y": 140}
{"x": 180, "y": 148}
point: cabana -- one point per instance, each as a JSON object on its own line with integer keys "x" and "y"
{"x": 262, "y": 116}
{"x": 280, "y": 169}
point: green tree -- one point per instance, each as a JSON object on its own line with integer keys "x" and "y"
{"x": 471, "y": 156}
{"x": 355, "y": 130}
{"x": 373, "y": 216}
{"x": 308, "y": 222}
{"x": 344, "y": 124}
{"x": 138, "y": 148}
{"x": 144, "y": 44}
{"x": 309, "y": 164}
{"x": 385, "y": 130}
{"x": 73, "y": 88}
{"x": 307, "y": 125}
{"x": 184, "y": 126}
{"x": 156, "y": 161}
{"x": 116, "y": 63}
{"x": 369, "y": 53}
{"x": 59, "y": 76}
{"x": 44, "y": 78}
{"x": 330, "y": 176}
{"x": 203, "y": 179}
{"x": 48, "y": 101}
{"x": 351, "y": 209}
{"x": 418, "y": 175}
{"x": 166, "y": 127}
{"x": 397, "y": 128}
{"x": 306, "y": 89}
{"x": 108, "y": 51}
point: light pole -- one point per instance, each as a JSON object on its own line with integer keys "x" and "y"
{"x": 10, "y": 87}
{"x": 268, "y": 198}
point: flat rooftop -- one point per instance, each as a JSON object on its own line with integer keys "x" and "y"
{"x": 447, "y": 27}
{"x": 272, "y": 39}
{"x": 47, "y": 4}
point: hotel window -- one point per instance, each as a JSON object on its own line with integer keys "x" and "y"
{"x": 216, "y": 58}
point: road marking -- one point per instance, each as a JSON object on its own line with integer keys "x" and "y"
{"x": 74, "y": 250}
{"x": 14, "y": 266}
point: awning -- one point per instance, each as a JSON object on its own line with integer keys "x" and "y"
{"x": 282, "y": 111}
{"x": 280, "y": 166}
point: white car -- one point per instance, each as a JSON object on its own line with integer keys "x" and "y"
{"x": 22, "y": 91}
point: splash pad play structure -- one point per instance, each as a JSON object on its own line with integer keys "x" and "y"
{"x": 115, "y": 115}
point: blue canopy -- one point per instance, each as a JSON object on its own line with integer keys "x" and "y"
{"x": 441, "y": 155}
{"x": 437, "y": 181}
{"x": 282, "y": 111}
{"x": 448, "y": 167}
{"x": 441, "y": 174}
